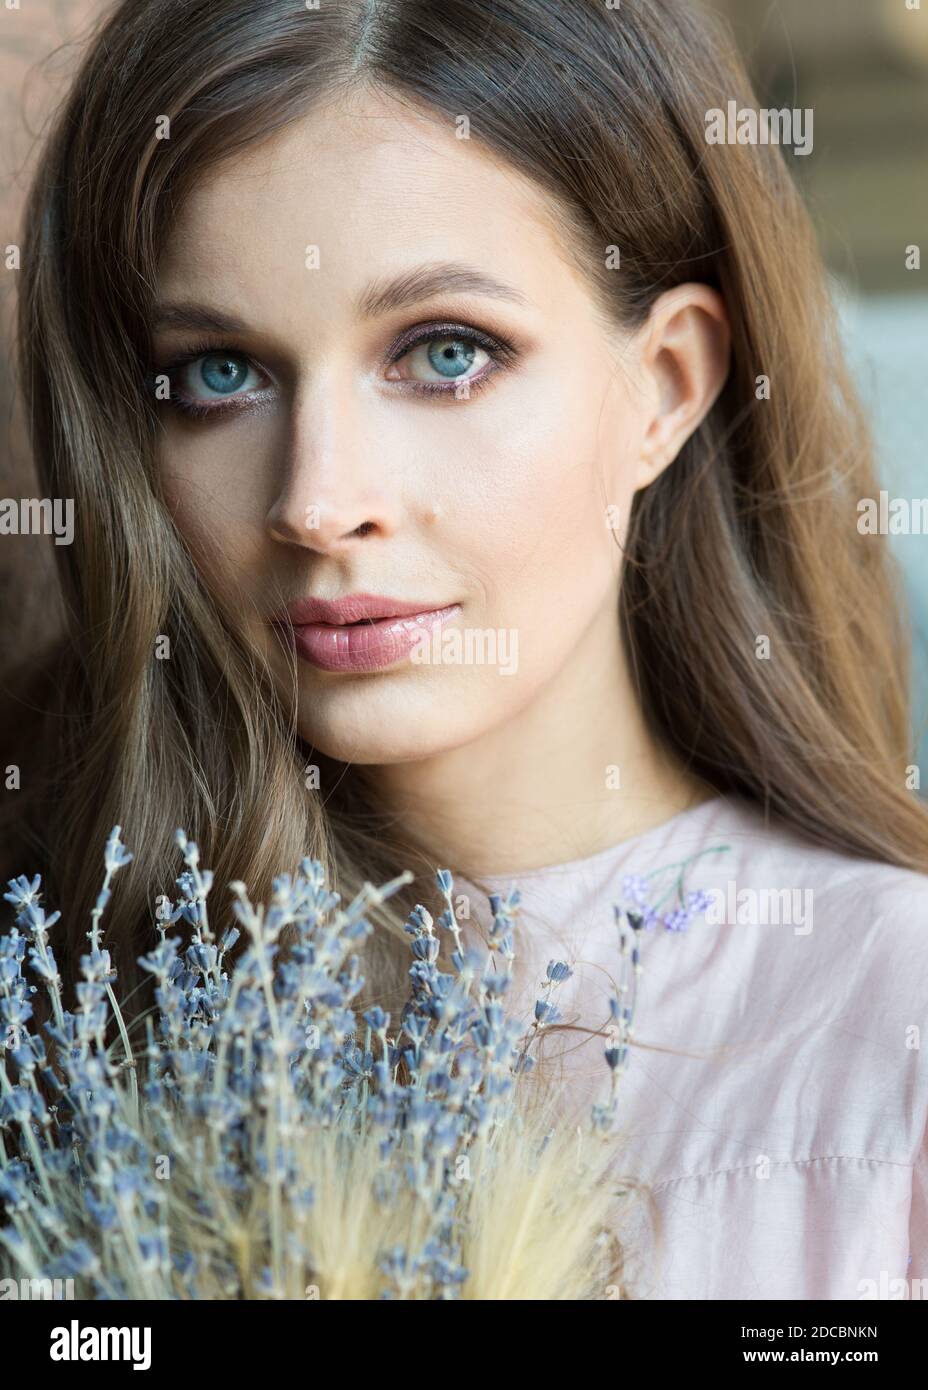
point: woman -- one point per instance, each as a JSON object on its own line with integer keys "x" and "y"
{"x": 465, "y": 473}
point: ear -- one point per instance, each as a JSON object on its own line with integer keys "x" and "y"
{"x": 685, "y": 360}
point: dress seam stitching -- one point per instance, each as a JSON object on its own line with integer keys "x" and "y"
{"x": 782, "y": 1163}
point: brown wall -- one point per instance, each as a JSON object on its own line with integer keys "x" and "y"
{"x": 38, "y": 54}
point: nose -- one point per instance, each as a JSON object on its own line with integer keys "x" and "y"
{"x": 336, "y": 487}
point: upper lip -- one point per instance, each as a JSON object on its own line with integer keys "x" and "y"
{"x": 353, "y": 608}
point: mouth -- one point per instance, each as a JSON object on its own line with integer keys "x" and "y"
{"x": 370, "y": 643}
{"x": 359, "y": 622}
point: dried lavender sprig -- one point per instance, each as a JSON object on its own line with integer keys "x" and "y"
{"x": 463, "y": 1078}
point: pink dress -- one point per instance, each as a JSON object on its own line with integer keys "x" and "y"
{"x": 776, "y": 1095}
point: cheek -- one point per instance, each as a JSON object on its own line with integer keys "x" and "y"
{"x": 538, "y": 510}
{"x": 212, "y": 502}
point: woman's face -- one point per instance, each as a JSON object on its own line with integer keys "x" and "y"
{"x": 416, "y": 400}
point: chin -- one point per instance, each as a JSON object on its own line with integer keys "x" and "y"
{"x": 356, "y": 727}
{"x": 370, "y": 747}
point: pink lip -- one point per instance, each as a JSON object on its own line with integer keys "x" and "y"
{"x": 388, "y": 630}
{"x": 353, "y": 608}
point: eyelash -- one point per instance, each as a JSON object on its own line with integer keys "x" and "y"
{"x": 502, "y": 352}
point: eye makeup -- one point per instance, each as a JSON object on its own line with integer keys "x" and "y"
{"x": 201, "y": 352}
{"x": 500, "y": 353}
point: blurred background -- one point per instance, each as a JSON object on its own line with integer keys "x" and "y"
{"x": 861, "y": 65}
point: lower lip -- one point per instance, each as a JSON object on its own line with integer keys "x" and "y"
{"x": 369, "y": 646}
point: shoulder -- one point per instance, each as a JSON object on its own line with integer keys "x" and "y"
{"x": 823, "y": 956}
{"x": 821, "y": 931}
{"x": 761, "y": 851}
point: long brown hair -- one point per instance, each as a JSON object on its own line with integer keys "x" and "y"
{"x": 751, "y": 532}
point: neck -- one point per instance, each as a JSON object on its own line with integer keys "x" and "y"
{"x": 573, "y": 773}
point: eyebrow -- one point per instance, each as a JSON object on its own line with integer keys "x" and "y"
{"x": 196, "y": 316}
{"x": 426, "y": 281}
{"x": 379, "y": 297}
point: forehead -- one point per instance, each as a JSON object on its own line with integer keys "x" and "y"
{"x": 374, "y": 184}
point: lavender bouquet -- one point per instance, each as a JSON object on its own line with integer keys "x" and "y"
{"x": 264, "y": 1143}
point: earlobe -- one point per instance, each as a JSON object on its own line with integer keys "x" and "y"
{"x": 687, "y": 355}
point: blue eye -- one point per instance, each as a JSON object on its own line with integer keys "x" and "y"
{"x": 211, "y": 375}
{"x": 450, "y": 356}
{"x": 222, "y": 372}
{"x": 444, "y": 359}
{"x": 207, "y": 380}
